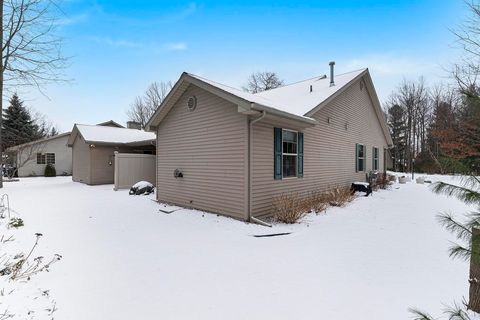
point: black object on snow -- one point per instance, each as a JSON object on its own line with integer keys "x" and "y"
{"x": 271, "y": 235}
{"x": 141, "y": 190}
{"x": 361, "y": 187}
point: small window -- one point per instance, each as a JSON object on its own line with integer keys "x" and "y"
{"x": 50, "y": 158}
{"x": 289, "y": 153}
{"x": 360, "y": 157}
{"x": 375, "y": 158}
{"x": 40, "y": 158}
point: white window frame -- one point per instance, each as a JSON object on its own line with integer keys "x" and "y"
{"x": 46, "y": 158}
{"x": 290, "y": 154}
{"x": 43, "y": 158}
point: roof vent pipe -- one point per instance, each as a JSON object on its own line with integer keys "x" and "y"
{"x": 332, "y": 80}
{"x": 311, "y": 88}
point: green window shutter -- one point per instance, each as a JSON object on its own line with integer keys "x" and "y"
{"x": 356, "y": 156}
{"x": 300, "y": 155}
{"x": 277, "y": 157}
{"x": 373, "y": 158}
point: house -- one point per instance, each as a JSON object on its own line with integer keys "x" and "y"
{"x": 31, "y": 158}
{"x": 111, "y": 123}
{"x": 94, "y": 148}
{"x": 231, "y": 152}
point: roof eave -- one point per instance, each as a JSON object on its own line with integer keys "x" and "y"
{"x": 121, "y": 144}
{"x": 15, "y": 148}
{"x": 310, "y": 121}
{"x": 379, "y": 111}
{"x": 373, "y": 95}
{"x": 185, "y": 77}
{"x": 152, "y": 123}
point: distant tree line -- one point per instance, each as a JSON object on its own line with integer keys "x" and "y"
{"x": 437, "y": 127}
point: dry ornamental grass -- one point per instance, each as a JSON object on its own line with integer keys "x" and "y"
{"x": 339, "y": 196}
{"x": 291, "y": 207}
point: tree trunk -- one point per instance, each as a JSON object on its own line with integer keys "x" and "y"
{"x": 1, "y": 93}
{"x": 474, "y": 294}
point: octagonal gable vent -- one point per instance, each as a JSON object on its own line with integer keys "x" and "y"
{"x": 191, "y": 103}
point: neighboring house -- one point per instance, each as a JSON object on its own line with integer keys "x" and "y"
{"x": 31, "y": 158}
{"x": 94, "y": 147}
{"x": 111, "y": 123}
{"x": 236, "y": 151}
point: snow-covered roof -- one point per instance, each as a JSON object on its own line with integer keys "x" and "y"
{"x": 15, "y": 148}
{"x": 297, "y": 99}
{"x": 113, "y": 135}
{"x": 250, "y": 97}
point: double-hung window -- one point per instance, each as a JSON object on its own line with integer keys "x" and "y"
{"x": 45, "y": 158}
{"x": 360, "y": 157}
{"x": 40, "y": 158}
{"x": 50, "y": 157}
{"x": 288, "y": 154}
{"x": 375, "y": 158}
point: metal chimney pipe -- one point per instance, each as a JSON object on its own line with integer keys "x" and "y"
{"x": 332, "y": 80}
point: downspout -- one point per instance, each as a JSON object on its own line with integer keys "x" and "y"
{"x": 250, "y": 171}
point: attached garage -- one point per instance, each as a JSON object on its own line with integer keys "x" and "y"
{"x": 94, "y": 148}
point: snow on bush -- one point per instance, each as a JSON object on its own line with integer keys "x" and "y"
{"x": 142, "y": 187}
{"x": 142, "y": 184}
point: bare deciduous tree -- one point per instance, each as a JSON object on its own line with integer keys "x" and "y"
{"x": 145, "y": 106}
{"x": 467, "y": 70}
{"x": 31, "y": 50}
{"x": 413, "y": 98}
{"x": 22, "y": 155}
{"x": 262, "y": 81}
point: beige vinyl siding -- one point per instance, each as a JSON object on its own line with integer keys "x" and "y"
{"x": 209, "y": 145}
{"x": 95, "y": 165}
{"x": 57, "y": 145}
{"x": 329, "y": 149}
{"x": 102, "y": 165}
{"x": 131, "y": 168}
{"x": 80, "y": 161}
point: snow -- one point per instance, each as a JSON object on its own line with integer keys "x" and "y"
{"x": 252, "y": 98}
{"x": 123, "y": 258}
{"x": 106, "y": 134}
{"x": 142, "y": 184}
{"x": 366, "y": 184}
{"x": 297, "y": 96}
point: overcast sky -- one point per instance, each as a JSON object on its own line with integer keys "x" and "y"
{"x": 118, "y": 47}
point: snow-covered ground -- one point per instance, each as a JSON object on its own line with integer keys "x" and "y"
{"x": 124, "y": 259}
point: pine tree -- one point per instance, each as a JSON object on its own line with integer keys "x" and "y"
{"x": 53, "y": 132}
{"x": 18, "y": 126}
{"x": 467, "y": 191}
